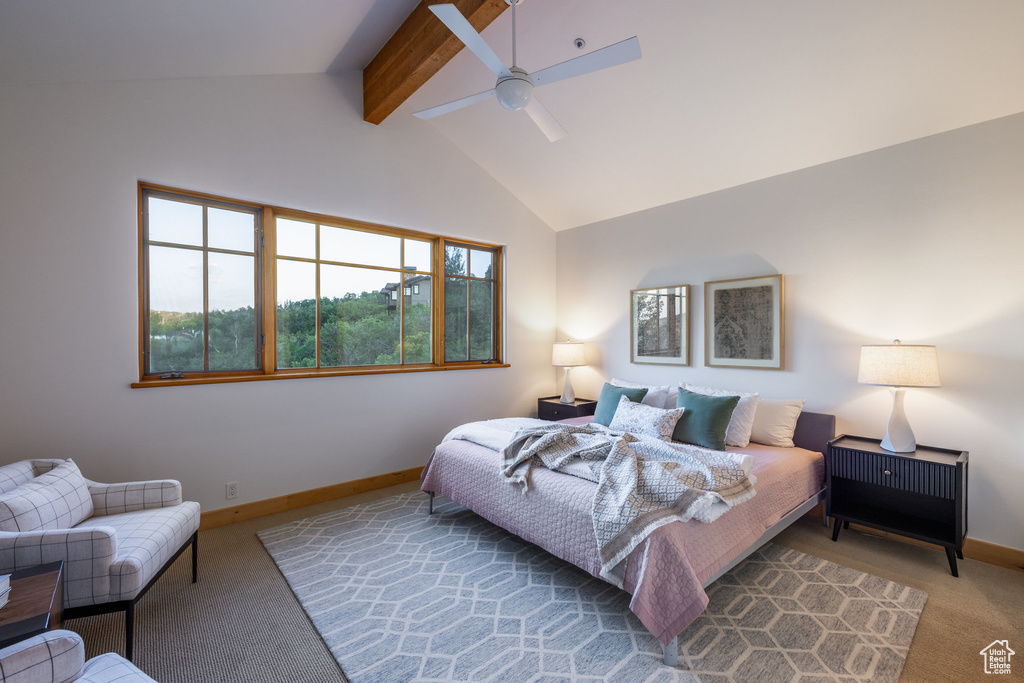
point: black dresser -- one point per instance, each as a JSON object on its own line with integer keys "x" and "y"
{"x": 921, "y": 495}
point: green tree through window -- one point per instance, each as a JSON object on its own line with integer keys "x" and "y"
{"x": 469, "y": 303}
{"x": 200, "y": 285}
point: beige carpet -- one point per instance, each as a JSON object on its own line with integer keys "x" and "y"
{"x": 962, "y": 615}
{"x": 242, "y": 623}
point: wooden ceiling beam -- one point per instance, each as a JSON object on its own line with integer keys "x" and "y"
{"x": 417, "y": 51}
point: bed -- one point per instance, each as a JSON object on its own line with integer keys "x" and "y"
{"x": 667, "y": 572}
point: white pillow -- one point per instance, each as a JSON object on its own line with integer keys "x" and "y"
{"x": 657, "y": 395}
{"x": 742, "y": 420}
{"x": 636, "y": 418}
{"x": 775, "y": 421}
{"x": 58, "y": 499}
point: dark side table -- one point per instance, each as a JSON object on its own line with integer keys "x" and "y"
{"x": 34, "y": 605}
{"x": 551, "y": 408}
{"x": 920, "y": 495}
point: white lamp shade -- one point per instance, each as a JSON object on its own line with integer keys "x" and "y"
{"x": 568, "y": 354}
{"x": 899, "y": 365}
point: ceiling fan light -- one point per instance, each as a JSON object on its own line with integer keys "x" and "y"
{"x": 514, "y": 93}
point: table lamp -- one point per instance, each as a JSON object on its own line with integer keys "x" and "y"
{"x": 898, "y": 366}
{"x": 568, "y": 355}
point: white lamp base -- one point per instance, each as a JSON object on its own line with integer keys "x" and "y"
{"x": 568, "y": 395}
{"x": 899, "y": 437}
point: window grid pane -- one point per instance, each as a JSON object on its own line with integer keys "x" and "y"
{"x": 481, "y": 317}
{"x": 296, "y": 314}
{"x": 360, "y": 322}
{"x": 417, "y": 325}
{"x": 456, "y": 319}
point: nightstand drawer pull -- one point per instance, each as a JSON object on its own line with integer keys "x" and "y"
{"x": 887, "y": 473}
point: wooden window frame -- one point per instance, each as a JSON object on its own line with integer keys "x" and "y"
{"x": 267, "y": 295}
{"x": 469, "y": 278}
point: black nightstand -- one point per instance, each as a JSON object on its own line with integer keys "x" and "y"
{"x": 920, "y": 495}
{"x": 550, "y": 408}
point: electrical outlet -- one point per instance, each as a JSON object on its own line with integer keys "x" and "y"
{"x": 231, "y": 490}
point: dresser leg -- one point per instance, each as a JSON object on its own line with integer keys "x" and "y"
{"x": 960, "y": 554}
{"x": 951, "y": 556}
{"x": 836, "y": 526}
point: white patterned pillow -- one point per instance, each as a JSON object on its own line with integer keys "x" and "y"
{"x": 636, "y": 418}
{"x": 742, "y": 420}
{"x": 58, "y": 499}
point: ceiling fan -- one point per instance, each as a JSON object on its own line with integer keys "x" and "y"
{"x": 514, "y": 88}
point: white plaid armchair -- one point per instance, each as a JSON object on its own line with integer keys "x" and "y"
{"x": 59, "y": 657}
{"x": 115, "y": 539}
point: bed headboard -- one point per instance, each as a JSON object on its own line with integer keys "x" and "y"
{"x": 814, "y": 431}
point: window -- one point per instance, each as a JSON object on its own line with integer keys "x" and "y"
{"x": 202, "y": 285}
{"x": 239, "y": 290}
{"x": 469, "y": 290}
{"x": 337, "y": 297}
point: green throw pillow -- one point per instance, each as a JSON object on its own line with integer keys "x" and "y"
{"x": 705, "y": 420}
{"x": 608, "y": 401}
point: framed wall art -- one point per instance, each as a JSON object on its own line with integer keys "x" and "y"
{"x": 660, "y": 325}
{"x": 743, "y": 323}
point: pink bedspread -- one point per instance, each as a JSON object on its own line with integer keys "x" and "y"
{"x": 666, "y": 573}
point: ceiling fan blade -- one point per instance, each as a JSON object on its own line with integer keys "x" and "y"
{"x": 454, "y": 105}
{"x": 624, "y": 51}
{"x": 544, "y": 120}
{"x": 464, "y": 31}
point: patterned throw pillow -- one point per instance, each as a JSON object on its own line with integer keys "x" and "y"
{"x": 636, "y": 418}
{"x": 58, "y": 499}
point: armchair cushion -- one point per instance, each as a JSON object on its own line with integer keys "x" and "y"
{"x": 112, "y": 668}
{"x": 146, "y": 540}
{"x": 58, "y": 499}
{"x": 51, "y": 657}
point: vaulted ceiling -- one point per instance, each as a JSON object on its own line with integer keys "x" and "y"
{"x": 727, "y": 92}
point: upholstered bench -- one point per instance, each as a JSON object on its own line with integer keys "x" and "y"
{"x": 115, "y": 539}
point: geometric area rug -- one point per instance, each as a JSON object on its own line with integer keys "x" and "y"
{"x": 400, "y": 595}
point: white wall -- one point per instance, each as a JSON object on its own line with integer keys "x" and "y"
{"x": 923, "y": 242}
{"x": 70, "y": 157}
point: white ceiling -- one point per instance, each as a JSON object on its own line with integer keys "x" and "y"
{"x": 46, "y": 41}
{"x": 728, "y": 91}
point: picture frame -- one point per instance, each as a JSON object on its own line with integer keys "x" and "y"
{"x": 659, "y": 325}
{"x": 744, "y": 323}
